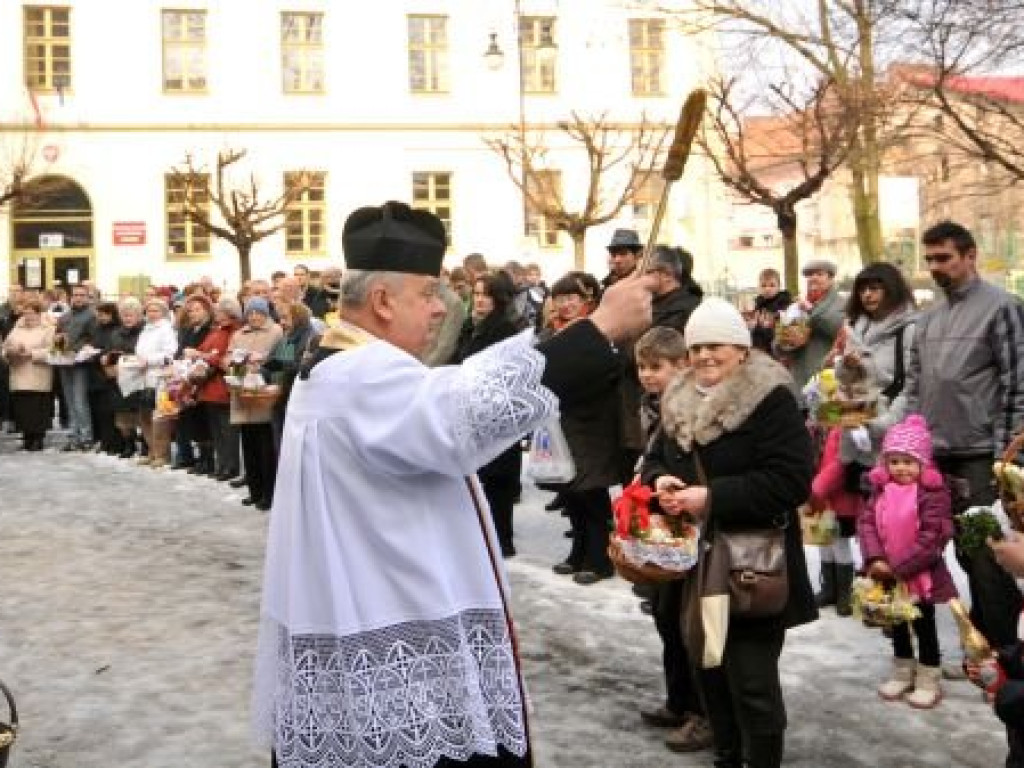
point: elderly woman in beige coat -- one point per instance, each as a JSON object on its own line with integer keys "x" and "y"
{"x": 31, "y": 379}
{"x": 253, "y": 342}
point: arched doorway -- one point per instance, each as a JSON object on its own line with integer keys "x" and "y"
{"x": 52, "y": 234}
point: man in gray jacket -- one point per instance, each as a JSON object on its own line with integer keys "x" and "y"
{"x": 965, "y": 375}
{"x": 78, "y": 328}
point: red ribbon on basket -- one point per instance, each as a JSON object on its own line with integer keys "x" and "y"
{"x": 635, "y": 502}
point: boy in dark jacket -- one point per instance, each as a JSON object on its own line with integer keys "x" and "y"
{"x": 770, "y": 303}
{"x": 660, "y": 355}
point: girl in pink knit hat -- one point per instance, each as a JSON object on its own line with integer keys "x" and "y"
{"x": 903, "y": 533}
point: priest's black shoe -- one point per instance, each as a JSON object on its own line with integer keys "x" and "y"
{"x": 249, "y": 501}
{"x": 262, "y": 506}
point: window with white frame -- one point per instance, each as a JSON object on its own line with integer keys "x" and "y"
{"x": 545, "y": 193}
{"x": 302, "y": 52}
{"x": 428, "y": 54}
{"x": 432, "y": 191}
{"x": 184, "y": 51}
{"x": 537, "y": 37}
{"x": 47, "y": 31}
{"x": 647, "y": 55}
{"x": 185, "y": 238}
{"x": 305, "y": 217}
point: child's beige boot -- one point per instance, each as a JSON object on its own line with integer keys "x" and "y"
{"x": 927, "y": 693}
{"x": 901, "y": 680}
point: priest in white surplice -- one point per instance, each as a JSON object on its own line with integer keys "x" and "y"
{"x": 385, "y": 638}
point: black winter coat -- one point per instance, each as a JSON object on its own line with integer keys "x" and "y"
{"x": 190, "y": 337}
{"x": 591, "y": 428}
{"x": 476, "y": 337}
{"x": 756, "y": 453}
{"x": 104, "y": 339}
{"x": 674, "y": 308}
{"x": 762, "y": 336}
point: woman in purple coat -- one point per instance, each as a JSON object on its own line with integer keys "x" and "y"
{"x": 903, "y": 533}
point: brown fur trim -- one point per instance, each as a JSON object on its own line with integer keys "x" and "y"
{"x": 689, "y": 416}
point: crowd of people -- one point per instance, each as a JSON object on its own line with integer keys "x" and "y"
{"x": 709, "y": 408}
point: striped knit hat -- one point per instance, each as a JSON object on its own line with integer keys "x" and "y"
{"x": 911, "y": 437}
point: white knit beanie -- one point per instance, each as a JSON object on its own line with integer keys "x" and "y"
{"x": 716, "y": 321}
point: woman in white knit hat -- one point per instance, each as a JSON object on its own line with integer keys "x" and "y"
{"x": 734, "y": 454}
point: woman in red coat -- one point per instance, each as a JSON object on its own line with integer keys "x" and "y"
{"x": 213, "y": 395}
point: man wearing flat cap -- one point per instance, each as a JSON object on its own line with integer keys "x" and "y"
{"x": 824, "y": 309}
{"x": 385, "y": 636}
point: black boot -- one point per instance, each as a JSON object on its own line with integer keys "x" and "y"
{"x": 766, "y": 750}
{"x": 127, "y": 448}
{"x": 844, "y": 582}
{"x": 727, "y": 758}
{"x": 827, "y": 596}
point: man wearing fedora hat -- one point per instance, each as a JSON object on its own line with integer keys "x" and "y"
{"x": 623, "y": 252}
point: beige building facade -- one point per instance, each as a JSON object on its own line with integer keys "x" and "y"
{"x": 387, "y": 100}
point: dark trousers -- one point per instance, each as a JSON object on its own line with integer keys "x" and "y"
{"x": 101, "y": 406}
{"x": 927, "y": 638}
{"x": 995, "y": 600}
{"x": 744, "y": 696}
{"x": 224, "y": 437}
{"x": 503, "y": 759}
{"x": 193, "y": 427}
{"x": 680, "y": 683}
{"x": 5, "y": 393}
{"x": 590, "y": 514}
{"x": 260, "y": 460}
{"x": 32, "y": 413}
{"x": 501, "y": 491}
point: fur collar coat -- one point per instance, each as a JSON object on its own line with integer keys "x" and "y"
{"x": 691, "y": 416}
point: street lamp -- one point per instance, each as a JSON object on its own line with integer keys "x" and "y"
{"x": 494, "y": 56}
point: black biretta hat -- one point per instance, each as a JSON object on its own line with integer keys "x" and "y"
{"x": 394, "y": 238}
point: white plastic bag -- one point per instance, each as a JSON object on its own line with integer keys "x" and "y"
{"x": 550, "y": 460}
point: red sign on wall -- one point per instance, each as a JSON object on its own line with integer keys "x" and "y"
{"x": 129, "y": 233}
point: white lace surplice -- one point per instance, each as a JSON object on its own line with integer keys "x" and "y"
{"x": 383, "y": 639}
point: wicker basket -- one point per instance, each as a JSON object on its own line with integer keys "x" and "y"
{"x": 262, "y": 396}
{"x": 648, "y": 573}
{"x": 8, "y": 731}
{"x": 1013, "y": 504}
{"x": 793, "y": 335}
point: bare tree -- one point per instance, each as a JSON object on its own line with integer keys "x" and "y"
{"x": 965, "y": 45}
{"x": 841, "y": 42}
{"x": 619, "y": 160}
{"x": 780, "y": 159}
{"x": 19, "y": 165}
{"x": 242, "y": 218}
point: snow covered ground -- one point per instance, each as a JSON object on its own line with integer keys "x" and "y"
{"x": 128, "y": 606}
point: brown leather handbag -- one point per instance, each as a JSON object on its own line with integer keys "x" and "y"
{"x": 758, "y": 576}
{"x": 756, "y": 557}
